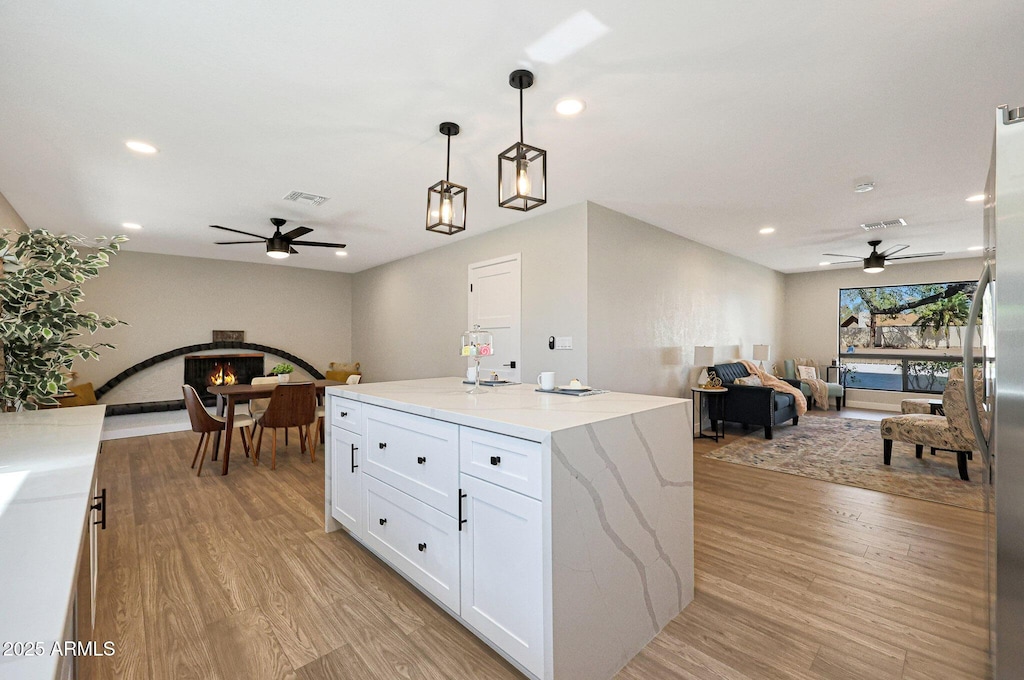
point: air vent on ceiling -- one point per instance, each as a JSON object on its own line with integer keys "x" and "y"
{"x": 303, "y": 197}
{"x": 884, "y": 224}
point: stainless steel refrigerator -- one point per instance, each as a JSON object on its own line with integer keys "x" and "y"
{"x": 997, "y": 315}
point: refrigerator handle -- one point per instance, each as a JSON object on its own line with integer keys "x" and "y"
{"x": 969, "y": 331}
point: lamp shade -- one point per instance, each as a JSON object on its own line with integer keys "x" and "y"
{"x": 762, "y": 352}
{"x": 703, "y": 356}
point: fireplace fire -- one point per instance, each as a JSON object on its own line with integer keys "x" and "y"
{"x": 222, "y": 374}
{"x": 206, "y": 370}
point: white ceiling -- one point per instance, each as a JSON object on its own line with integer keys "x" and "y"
{"x": 709, "y": 119}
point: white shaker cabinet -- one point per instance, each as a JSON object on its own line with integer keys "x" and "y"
{"x": 559, "y": 530}
{"x": 502, "y": 569}
{"x": 346, "y": 499}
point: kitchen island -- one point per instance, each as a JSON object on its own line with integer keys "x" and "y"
{"x": 558, "y": 529}
{"x": 47, "y": 538}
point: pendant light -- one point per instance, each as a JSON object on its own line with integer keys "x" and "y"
{"x": 446, "y": 202}
{"x": 522, "y": 169}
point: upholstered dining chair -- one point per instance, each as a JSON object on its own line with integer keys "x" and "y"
{"x": 257, "y": 407}
{"x": 291, "y": 405}
{"x": 206, "y": 424}
{"x": 949, "y": 432}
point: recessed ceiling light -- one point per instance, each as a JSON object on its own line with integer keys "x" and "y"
{"x": 131, "y": 225}
{"x": 976, "y": 248}
{"x": 767, "y": 230}
{"x": 140, "y": 147}
{"x": 824, "y": 264}
{"x": 570, "y": 107}
{"x": 863, "y": 187}
{"x": 975, "y": 198}
{"x": 341, "y": 253}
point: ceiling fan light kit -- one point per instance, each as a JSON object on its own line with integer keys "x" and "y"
{"x": 522, "y": 168}
{"x": 876, "y": 261}
{"x": 446, "y": 202}
{"x": 279, "y": 246}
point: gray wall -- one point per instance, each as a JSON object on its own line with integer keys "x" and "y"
{"x": 173, "y": 301}
{"x": 811, "y": 327}
{"x": 9, "y": 218}
{"x": 654, "y": 295}
{"x": 409, "y": 315}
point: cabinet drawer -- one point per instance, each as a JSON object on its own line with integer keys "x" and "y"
{"x": 417, "y": 455}
{"x": 506, "y": 461}
{"x": 347, "y": 413}
{"x": 416, "y": 539}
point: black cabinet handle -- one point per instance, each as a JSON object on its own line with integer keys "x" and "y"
{"x": 495, "y": 460}
{"x": 421, "y": 459}
{"x": 344, "y": 414}
{"x": 461, "y": 521}
{"x": 382, "y": 445}
{"x": 354, "y": 449}
{"x": 383, "y": 521}
{"x": 422, "y": 547}
{"x": 102, "y": 507}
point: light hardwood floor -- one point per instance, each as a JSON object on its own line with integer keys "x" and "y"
{"x": 233, "y": 577}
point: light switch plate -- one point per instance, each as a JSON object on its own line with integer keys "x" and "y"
{"x": 563, "y": 342}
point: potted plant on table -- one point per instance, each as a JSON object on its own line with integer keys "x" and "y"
{"x": 283, "y": 372}
{"x": 41, "y": 277}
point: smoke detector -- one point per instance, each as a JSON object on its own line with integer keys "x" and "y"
{"x": 884, "y": 224}
{"x": 304, "y": 197}
{"x": 863, "y": 187}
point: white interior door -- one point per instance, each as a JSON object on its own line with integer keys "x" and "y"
{"x": 495, "y": 303}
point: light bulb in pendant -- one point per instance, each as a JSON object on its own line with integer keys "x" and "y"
{"x": 446, "y": 207}
{"x": 523, "y": 177}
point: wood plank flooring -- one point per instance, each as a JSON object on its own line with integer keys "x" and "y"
{"x": 233, "y": 577}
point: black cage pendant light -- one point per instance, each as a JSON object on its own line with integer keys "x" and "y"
{"x": 522, "y": 169}
{"x": 446, "y": 202}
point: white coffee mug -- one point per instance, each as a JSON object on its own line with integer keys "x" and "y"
{"x": 546, "y": 380}
{"x": 471, "y": 374}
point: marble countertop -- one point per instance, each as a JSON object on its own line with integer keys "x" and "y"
{"x": 47, "y": 461}
{"x": 515, "y": 410}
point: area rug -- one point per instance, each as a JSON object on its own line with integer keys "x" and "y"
{"x": 849, "y": 451}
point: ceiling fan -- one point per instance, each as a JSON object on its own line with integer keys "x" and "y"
{"x": 876, "y": 261}
{"x": 279, "y": 245}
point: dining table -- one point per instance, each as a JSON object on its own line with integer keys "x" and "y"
{"x": 229, "y": 395}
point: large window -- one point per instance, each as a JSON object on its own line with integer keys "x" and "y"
{"x": 902, "y": 338}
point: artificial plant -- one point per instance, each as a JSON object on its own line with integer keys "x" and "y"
{"x": 41, "y": 277}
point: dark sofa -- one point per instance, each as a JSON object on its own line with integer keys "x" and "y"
{"x": 753, "y": 405}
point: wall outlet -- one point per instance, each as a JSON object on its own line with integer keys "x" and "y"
{"x": 563, "y": 342}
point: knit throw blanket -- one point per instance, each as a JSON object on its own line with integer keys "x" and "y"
{"x": 779, "y": 385}
{"x": 819, "y": 388}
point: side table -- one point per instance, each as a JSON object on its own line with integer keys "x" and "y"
{"x": 715, "y": 400}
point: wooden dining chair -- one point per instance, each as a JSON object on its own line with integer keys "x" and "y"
{"x": 291, "y": 405}
{"x": 206, "y": 424}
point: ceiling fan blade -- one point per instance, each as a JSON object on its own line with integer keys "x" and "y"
{"x": 318, "y": 244}
{"x": 857, "y": 261}
{"x": 237, "y": 231}
{"x": 857, "y": 257}
{"x": 911, "y": 257}
{"x": 297, "y": 232}
{"x": 292, "y": 251}
{"x": 231, "y": 243}
{"x": 895, "y": 249}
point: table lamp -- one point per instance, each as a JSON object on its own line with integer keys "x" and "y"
{"x": 762, "y": 353}
{"x": 703, "y": 357}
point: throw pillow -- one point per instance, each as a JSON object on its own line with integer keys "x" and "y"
{"x": 751, "y": 380}
{"x": 807, "y": 372}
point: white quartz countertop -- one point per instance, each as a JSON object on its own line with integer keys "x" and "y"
{"x": 47, "y": 461}
{"x": 515, "y": 410}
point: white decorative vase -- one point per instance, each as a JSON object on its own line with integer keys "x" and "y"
{"x": 283, "y": 377}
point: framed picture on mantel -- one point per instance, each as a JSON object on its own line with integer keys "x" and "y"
{"x": 229, "y": 336}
